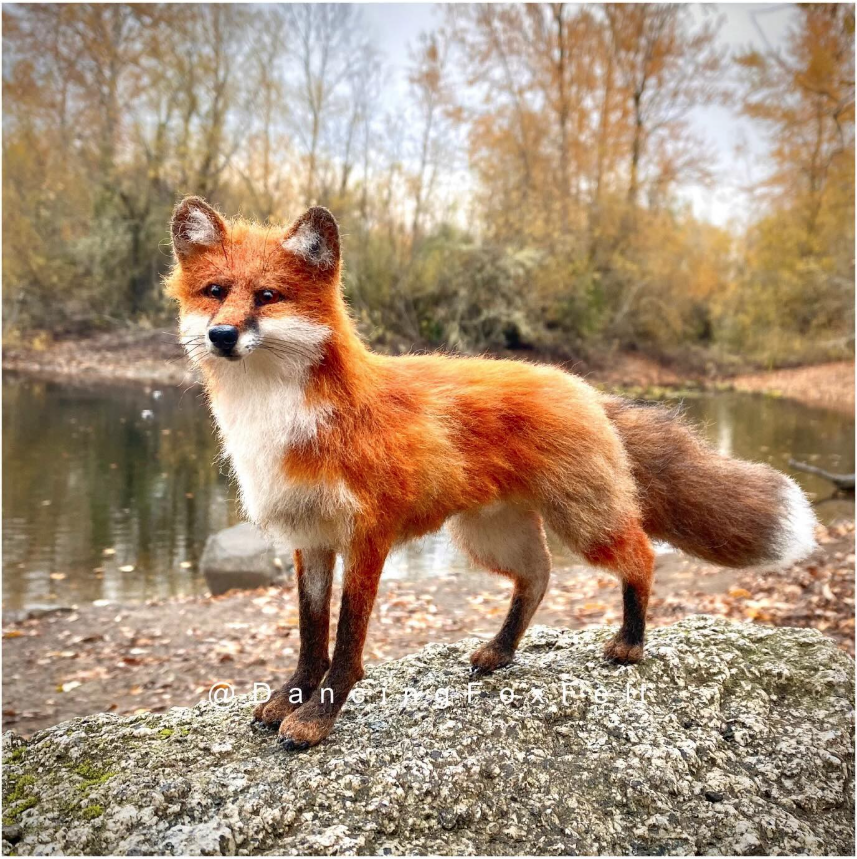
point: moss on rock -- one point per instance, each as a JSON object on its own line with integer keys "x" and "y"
{"x": 729, "y": 738}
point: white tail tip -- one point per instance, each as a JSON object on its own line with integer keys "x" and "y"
{"x": 796, "y": 538}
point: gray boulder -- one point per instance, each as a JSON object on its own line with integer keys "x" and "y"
{"x": 728, "y": 739}
{"x": 242, "y": 557}
{"x": 36, "y": 611}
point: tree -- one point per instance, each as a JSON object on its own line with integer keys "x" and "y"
{"x": 666, "y": 64}
{"x": 805, "y": 99}
{"x": 329, "y": 54}
{"x": 434, "y": 104}
{"x": 524, "y": 191}
{"x": 798, "y": 276}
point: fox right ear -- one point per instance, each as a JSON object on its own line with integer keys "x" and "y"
{"x": 195, "y": 226}
{"x": 314, "y": 238}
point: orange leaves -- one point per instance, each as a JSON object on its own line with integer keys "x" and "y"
{"x": 750, "y": 60}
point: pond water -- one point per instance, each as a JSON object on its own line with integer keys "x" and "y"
{"x": 110, "y": 492}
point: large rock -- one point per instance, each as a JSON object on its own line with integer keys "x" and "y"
{"x": 732, "y": 739}
{"x": 241, "y": 557}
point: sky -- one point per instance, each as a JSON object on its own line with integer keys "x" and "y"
{"x": 740, "y": 145}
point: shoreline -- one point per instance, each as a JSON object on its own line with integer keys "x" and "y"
{"x": 154, "y": 358}
{"x": 829, "y": 385}
{"x": 150, "y": 656}
{"x": 130, "y": 359}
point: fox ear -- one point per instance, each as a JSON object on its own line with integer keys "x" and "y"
{"x": 314, "y": 238}
{"x": 194, "y": 227}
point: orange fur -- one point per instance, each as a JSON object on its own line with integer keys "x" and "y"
{"x": 418, "y": 439}
{"x": 391, "y": 448}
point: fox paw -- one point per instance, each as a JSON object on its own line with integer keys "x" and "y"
{"x": 489, "y": 657}
{"x": 620, "y": 651}
{"x": 272, "y": 712}
{"x": 301, "y": 732}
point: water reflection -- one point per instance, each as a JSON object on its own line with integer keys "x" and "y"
{"x": 110, "y": 493}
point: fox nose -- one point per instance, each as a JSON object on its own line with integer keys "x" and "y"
{"x": 224, "y": 337}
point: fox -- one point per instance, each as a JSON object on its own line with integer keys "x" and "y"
{"x": 339, "y": 450}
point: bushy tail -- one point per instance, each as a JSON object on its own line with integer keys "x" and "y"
{"x": 724, "y": 510}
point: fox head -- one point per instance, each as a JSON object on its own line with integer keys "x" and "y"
{"x": 255, "y": 294}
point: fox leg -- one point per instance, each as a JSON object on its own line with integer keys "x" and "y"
{"x": 508, "y": 540}
{"x": 314, "y": 572}
{"x": 630, "y": 555}
{"x": 312, "y": 722}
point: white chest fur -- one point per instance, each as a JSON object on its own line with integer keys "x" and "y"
{"x": 260, "y": 419}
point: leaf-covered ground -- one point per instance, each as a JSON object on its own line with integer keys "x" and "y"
{"x": 156, "y": 655}
{"x": 830, "y": 385}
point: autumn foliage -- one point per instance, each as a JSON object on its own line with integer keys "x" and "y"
{"x": 527, "y": 189}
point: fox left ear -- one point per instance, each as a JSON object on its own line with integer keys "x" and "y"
{"x": 195, "y": 226}
{"x": 314, "y": 238}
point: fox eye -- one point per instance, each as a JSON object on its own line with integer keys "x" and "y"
{"x": 216, "y": 291}
{"x": 267, "y": 296}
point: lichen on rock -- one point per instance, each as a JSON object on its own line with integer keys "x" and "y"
{"x": 727, "y": 739}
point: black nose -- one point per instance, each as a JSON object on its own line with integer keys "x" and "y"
{"x": 223, "y": 336}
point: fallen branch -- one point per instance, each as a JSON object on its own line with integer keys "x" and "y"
{"x": 843, "y": 482}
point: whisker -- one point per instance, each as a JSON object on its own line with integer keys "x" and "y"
{"x": 284, "y": 353}
{"x": 182, "y": 358}
{"x": 288, "y": 344}
{"x": 278, "y": 353}
{"x": 283, "y": 342}
{"x": 282, "y": 350}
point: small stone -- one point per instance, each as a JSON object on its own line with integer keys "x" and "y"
{"x": 447, "y": 818}
{"x": 240, "y": 557}
{"x": 714, "y": 796}
{"x": 39, "y": 610}
{"x": 12, "y": 834}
